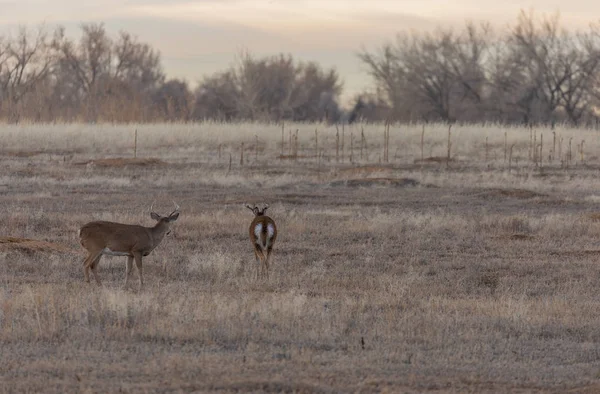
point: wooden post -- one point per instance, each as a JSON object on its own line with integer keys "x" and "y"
{"x": 296, "y": 146}
{"x": 256, "y": 148}
{"x": 362, "y": 139}
{"x": 316, "y": 143}
{"x": 510, "y": 159}
{"x": 553, "y": 145}
{"x": 449, "y": 145}
{"x": 505, "y": 146}
{"x": 541, "y": 149}
{"x": 337, "y": 144}
{"x": 242, "y": 155}
{"x": 486, "y": 149}
{"x": 534, "y": 147}
{"x": 343, "y": 133}
{"x": 351, "y": 147}
{"x": 422, "y": 138}
{"x": 529, "y": 153}
{"x": 560, "y": 141}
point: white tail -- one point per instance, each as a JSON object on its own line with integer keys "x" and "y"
{"x": 263, "y": 233}
{"x": 116, "y": 239}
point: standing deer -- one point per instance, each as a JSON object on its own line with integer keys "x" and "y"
{"x": 263, "y": 233}
{"x": 117, "y": 239}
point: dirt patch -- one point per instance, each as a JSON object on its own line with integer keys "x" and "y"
{"x": 364, "y": 170}
{"x": 511, "y": 193}
{"x": 594, "y": 216}
{"x": 434, "y": 159}
{"x": 516, "y": 237}
{"x": 22, "y": 153}
{"x": 575, "y": 253}
{"x": 32, "y": 245}
{"x": 371, "y": 182}
{"x": 295, "y": 157}
{"x": 122, "y": 162}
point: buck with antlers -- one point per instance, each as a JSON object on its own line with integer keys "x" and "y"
{"x": 263, "y": 233}
{"x": 117, "y": 239}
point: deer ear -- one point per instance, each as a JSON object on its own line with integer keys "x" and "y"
{"x": 173, "y": 217}
{"x": 155, "y": 216}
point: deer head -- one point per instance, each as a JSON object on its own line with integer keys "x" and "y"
{"x": 257, "y": 211}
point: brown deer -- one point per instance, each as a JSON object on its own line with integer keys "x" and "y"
{"x": 116, "y": 239}
{"x": 263, "y": 233}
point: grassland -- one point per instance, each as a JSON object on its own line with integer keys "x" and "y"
{"x": 417, "y": 274}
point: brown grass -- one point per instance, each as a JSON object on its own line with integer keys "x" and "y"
{"x": 24, "y": 244}
{"x": 470, "y": 286}
{"x": 122, "y": 162}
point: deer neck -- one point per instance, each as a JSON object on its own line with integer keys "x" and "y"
{"x": 158, "y": 232}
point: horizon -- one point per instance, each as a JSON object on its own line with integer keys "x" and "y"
{"x": 329, "y": 33}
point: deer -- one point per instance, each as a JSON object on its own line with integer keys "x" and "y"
{"x": 263, "y": 233}
{"x": 117, "y": 239}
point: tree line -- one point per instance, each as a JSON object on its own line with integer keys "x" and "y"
{"x": 532, "y": 72}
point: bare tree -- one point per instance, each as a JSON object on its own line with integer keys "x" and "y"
{"x": 271, "y": 88}
{"x": 24, "y": 62}
{"x": 173, "y": 101}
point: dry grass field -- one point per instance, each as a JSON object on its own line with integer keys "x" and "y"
{"x": 408, "y": 275}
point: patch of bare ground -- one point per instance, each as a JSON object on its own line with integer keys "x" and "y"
{"x": 372, "y": 182}
{"x": 435, "y": 160}
{"x": 575, "y": 253}
{"x": 32, "y": 245}
{"x": 593, "y": 216}
{"x": 295, "y": 157}
{"x": 522, "y": 194}
{"x": 516, "y": 237}
{"x": 124, "y": 161}
{"x": 22, "y": 153}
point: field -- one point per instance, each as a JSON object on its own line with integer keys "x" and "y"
{"x": 477, "y": 272}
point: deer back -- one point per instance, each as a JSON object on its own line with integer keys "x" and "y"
{"x": 117, "y": 237}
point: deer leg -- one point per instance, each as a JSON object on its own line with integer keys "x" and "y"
{"x": 128, "y": 268}
{"x": 138, "y": 264}
{"x": 268, "y": 259}
{"x": 94, "y": 265}
{"x": 260, "y": 257}
{"x": 87, "y": 264}
{"x": 257, "y": 264}
{"x": 86, "y": 269}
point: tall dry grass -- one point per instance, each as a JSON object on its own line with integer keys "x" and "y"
{"x": 476, "y": 279}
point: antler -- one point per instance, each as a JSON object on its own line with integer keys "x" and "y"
{"x": 265, "y": 207}
{"x": 176, "y": 208}
{"x": 254, "y": 209}
{"x": 151, "y": 205}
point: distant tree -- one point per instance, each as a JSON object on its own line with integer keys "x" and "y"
{"x": 535, "y": 72}
{"x": 269, "y": 89}
{"x": 99, "y": 72}
{"x": 173, "y": 101}
{"x": 25, "y": 61}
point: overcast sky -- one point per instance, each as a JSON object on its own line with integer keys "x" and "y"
{"x": 198, "y": 37}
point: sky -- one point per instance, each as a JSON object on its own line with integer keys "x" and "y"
{"x": 198, "y": 37}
